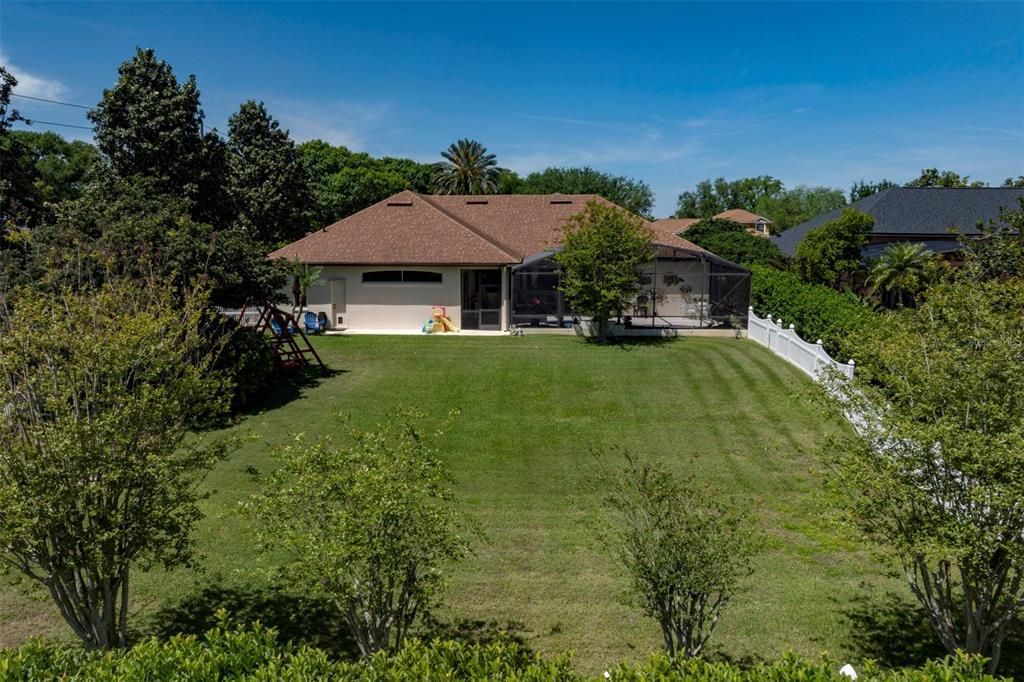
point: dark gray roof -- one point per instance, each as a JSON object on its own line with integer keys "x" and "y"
{"x": 924, "y": 211}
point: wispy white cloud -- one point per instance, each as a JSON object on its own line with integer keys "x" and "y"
{"x": 339, "y": 122}
{"x": 32, "y": 85}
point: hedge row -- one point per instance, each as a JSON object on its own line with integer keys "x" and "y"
{"x": 817, "y": 312}
{"x": 253, "y": 653}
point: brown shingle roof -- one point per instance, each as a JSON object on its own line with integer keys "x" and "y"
{"x": 675, "y": 225}
{"x": 416, "y": 229}
{"x": 739, "y": 215}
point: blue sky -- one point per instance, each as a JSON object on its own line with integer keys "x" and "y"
{"x": 812, "y": 93}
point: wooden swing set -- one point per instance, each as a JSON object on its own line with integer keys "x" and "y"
{"x": 291, "y": 346}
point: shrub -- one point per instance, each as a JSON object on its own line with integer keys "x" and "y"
{"x": 247, "y": 360}
{"x": 816, "y": 311}
{"x": 253, "y": 653}
{"x": 832, "y": 251}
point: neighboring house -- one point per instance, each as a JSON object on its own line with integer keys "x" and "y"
{"x": 755, "y": 224}
{"x": 487, "y": 260}
{"x": 922, "y": 215}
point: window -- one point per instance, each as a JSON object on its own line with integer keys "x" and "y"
{"x": 761, "y": 226}
{"x": 401, "y": 277}
{"x": 390, "y": 276}
{"x": 421, "y": 276}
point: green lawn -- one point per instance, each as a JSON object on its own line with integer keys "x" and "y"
{"x": 533, "y": 408}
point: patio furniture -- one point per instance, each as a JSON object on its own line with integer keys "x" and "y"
{"x": 313, "y": 323}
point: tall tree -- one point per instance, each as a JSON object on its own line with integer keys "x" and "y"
{"x": 732, "y": 242}
{"x": 50, "y": 170}
{"x": 832, "y": 251}
{"x": 98, "y": 469}
{"x": 15, "y": 180}
{"x": 150, "y": 124}
{"x": 1014, "y": 182}
{"x": 632, "y": 195}
{"x": 267, "y": 180}
{"x": 711, "y": 197}
{"x": 936, "y": 473}
{"x": 933, "y": 177}
{"x": 343, "y": 182}
{"x": 863, "y": 188}
{"x": 603, "y": 248}
{"x": 467, "y": 169}
{"x": 791, "y": 207}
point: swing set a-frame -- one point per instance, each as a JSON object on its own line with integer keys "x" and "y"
{"x": 291, "y": 346}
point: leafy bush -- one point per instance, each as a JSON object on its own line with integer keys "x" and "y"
{"x": 254, "y": 654}
{"x": 817, "y": 312}
{"x": 247, "y": 360}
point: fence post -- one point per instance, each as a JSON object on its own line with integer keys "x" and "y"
{"x": 819, "y": 360}
{"x": 850, "y": 364}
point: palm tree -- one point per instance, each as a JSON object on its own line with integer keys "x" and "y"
{"x": 303, "y": 277}
{"x": 467, "y": 169}
{"x": 902, "y": 272}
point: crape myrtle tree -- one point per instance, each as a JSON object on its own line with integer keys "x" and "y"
{"x": 603, "y": 249}
{"x": 684, "y": 553}
{"x": 372, "y": 526}
{"x": 937, "y": 472}
{"x": 98, "y": 470}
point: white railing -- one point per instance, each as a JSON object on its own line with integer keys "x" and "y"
{"x": 249, "y": 319}
{"x": 784, "y": 341}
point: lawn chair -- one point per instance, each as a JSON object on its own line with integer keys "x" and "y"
{"x": 277, "y": 327}
{"x": 313, "y": 322}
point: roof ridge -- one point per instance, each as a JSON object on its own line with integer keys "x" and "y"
{"x": 504, "y": 248}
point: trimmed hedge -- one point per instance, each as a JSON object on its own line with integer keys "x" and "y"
{"x": 817, "y": 312}
{"x": 253, "y": 654}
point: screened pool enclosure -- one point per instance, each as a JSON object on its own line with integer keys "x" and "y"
{"x": 680, "y": 289}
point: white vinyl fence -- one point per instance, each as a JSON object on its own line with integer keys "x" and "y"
{"x": 784, "y": 341}
{"x": 249, "y": 319}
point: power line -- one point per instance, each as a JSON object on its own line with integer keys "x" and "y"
{"x": 33, "y": 121}
{"x": 52, "y": 101}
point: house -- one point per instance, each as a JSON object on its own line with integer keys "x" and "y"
{"x": 921, "y": 215}
{"x": 488, "y": 261}
{"x": 755, "y": 224}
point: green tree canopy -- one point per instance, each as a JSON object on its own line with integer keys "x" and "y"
{"x": 711, "y": 197}
{"x": 633, "y": 195}
{"x": 603, "y": 248}
{"x": 267, "y": 181}
{"x": 732, "y": 242}
{"x": 345, "y": 182}
{"x": 1014, "y": 182}
{"x": 933, "y": 177}
{"x": 863, "y": 188}
{"x": 49, "y": 169}
{"x": 150, "y": 124}
{"x": 467, "y": 168}
{"x": 833, "y": 250}
{"x": 791, "y": 207}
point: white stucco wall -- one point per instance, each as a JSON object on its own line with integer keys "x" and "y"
{"x": 386, "y": 305}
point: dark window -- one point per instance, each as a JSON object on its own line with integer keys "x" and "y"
{"x": 383, "y": 276}
{"x": 421, "y": 276}
{"x": 399, "y": 276}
